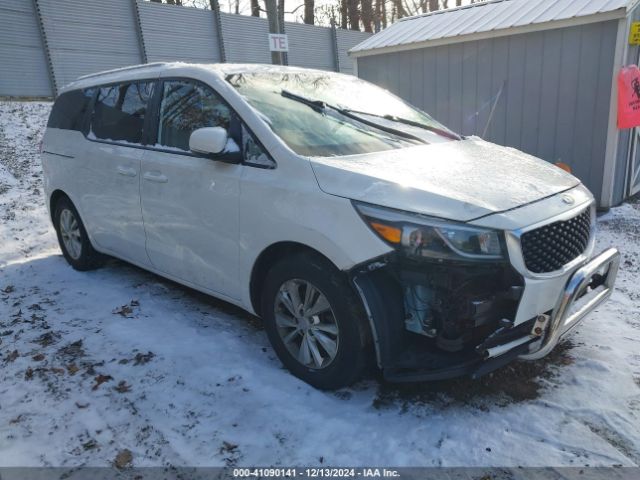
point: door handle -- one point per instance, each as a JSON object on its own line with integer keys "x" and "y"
{"x": 126, "y": 171}
{"x": 155, "y": 177}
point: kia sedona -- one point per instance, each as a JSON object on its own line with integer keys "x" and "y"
{"x": 363, "y": 232}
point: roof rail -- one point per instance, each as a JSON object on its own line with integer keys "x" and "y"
{"x": 123, "y": 69}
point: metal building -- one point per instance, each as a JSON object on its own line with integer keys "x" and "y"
{"x": 45, "y": 44}
{"x": 537, "y": 75}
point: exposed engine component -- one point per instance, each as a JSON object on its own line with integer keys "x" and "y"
{"x": 417, "y": 305}
{"x": 456, "y": 304}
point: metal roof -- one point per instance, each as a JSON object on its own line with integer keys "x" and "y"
{"x": 492, "y": 18}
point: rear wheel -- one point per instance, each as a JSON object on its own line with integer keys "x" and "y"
{"x": 315, "y": 322}
{"x": 73, "y": 239}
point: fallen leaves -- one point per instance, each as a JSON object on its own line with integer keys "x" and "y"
{"x": 72, "y": 368}
{"x": 127, "y": 310}
{"x": 123, "y": 459}
{"x": 100, "y": 379}
{"x": 8, "y": 289}
{"x": 72, "y": 350}
{"x": 18, "y": 419}
{"x": 90, "y": 445}
{"x": 12, "y": 356}
{"x": 228, "y": 447}
{"x": 142, "y": 358}
{"x": 122, "y": 387}
{"x": 47, "y": 339}
{"x": 38, "y": 357}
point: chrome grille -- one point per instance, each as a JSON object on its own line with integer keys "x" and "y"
{"x": 549, "y": 248}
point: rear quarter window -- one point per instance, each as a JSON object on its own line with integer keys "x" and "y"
{"x": 119, "y": 112}
{"x": 70, "y": 109}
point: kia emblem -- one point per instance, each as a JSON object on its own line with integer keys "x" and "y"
{"x": 568, "y": 199}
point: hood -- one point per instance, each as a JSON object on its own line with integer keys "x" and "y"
{"x": 461, "y": 180}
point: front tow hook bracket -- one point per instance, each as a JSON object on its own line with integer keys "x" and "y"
{"x": 542, "y": 321}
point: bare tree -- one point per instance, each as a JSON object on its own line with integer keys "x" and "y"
{"x": 400, "y": 11}
{"x": 255, "y": 8}
{"x": 344, "y": 18}
{"x": 309, "y": 12}
{"x": 353, "y": 12}
{"x": 367, "y": 15}
{"x": 378, "y": 15}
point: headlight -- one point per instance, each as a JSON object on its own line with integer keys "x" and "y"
{"x": 420, "y": 236}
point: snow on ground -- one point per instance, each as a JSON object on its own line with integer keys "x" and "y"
{"x": 93, "y": 364}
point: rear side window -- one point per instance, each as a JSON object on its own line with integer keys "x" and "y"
{"x": 119, "y": 112}
{"x": 185, "y": 107}
{"x": 70, "y": 110}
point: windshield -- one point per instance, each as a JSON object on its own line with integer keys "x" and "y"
{"x": 377, "y": 120}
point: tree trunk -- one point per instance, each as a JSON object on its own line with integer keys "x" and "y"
{"x": 309, "y": 7}
{"x": 255, "y": 8}
{"x": 384, "y": 14}
{"x": 272, "y": 17}
{"x": 400, "y": 11}
{"x": 367, "y": 15}
{"x": 281, "y": 15}
{"x": 378, "y": 15}
{"x": 434, "y": 5}
{"x": 458, "y": 3}
{"x": 344, "y": 16}
{"x": 354, "y": 14}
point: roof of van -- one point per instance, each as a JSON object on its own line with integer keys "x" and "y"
{"x": 138, "y": 71}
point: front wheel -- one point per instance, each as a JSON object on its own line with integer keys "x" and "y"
{"x": 315, "y": 322}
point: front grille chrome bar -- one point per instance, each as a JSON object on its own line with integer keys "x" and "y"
{"x": 562, "y": 320}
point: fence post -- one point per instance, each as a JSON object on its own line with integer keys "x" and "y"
{"x": 45, "y": 47}
{"x": 215, "y": 8}
{"x": 143, "y": 47}
{"x": 334, "y": 46}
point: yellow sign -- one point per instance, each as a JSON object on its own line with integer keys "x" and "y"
{"x": 634, "y": 34}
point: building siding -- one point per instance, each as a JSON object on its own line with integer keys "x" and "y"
{"x": 24, "y": 65}
{"x": 86, "y": 37}
{"x": 552, "y": 90}
{"x": 193, "y": 33}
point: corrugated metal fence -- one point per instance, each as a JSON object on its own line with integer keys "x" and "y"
{"x": 45, "y": 44}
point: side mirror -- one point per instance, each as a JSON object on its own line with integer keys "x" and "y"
{"x": 208, "y": 140}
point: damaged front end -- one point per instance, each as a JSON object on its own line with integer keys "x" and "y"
{"x": 445, "y": 302}
{"x": 431, "y": 320}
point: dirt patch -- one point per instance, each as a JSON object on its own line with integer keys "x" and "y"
{"x": 517, "y": 382}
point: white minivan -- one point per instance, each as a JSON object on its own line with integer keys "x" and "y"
{"x": 360, "y": 229}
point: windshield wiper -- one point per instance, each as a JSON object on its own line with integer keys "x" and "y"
{"x": 411, "y": 123}
{"x": 321, "y": 107}
{"x": 317, "y": 105}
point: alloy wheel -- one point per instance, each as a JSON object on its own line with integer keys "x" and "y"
{"x": 306, "y": 324}
{"x": 70, "y": 233}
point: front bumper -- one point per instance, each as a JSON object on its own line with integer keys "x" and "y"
{"x": 587, "y": 288}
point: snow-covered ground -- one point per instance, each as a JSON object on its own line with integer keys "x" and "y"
{"x": 96, "y": 364}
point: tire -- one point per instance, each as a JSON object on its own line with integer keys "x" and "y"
{"x": 73, "y": 239}
{"x": 315, "y": 360}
